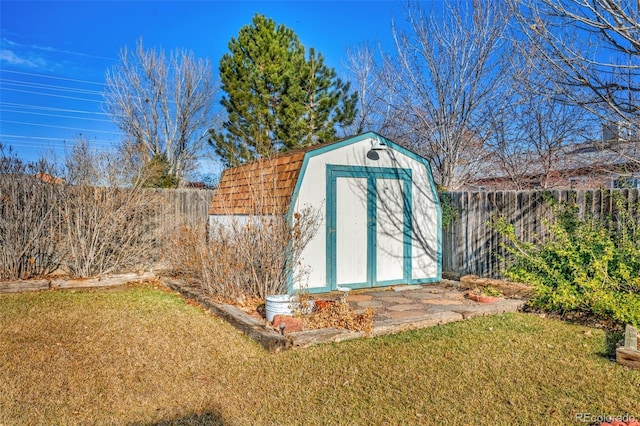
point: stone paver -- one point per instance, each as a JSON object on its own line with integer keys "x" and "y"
{"x": 455, "y": 308}
{"x": 381, "y": 293}
{"x": 442, "y": 302}
{"x": 419, "y": 294}
{"x": 396, "y": 325}
{"x": 370, "y": 304}
{"x": 406, "y": 307}
{"x": 396, "y": 299}
{"x": 359, "y": 297}
{"x": 406, "y": 314}
{"x": 453, "y": 295}
{"x": 405, "y": 287}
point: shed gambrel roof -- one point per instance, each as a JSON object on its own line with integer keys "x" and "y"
{"x": 265, "y": 186}
{"x": 261, "y": 187}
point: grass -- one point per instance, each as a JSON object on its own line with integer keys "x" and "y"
{"x": 142, "y": 355}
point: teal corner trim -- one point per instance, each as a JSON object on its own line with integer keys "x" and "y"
{"x": 407, "y": 249}
{"x": 372, "y": 234}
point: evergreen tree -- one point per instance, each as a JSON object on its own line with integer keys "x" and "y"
{"x": 277, "y": 96}
{"x": 157, "y": 173}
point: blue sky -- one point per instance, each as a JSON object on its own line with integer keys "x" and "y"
{"x": 54, "y": 54}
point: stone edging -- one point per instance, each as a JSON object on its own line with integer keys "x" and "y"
{"x": 22, "y": 286}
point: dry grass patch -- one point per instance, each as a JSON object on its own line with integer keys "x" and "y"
{"x": 142, "y": 355}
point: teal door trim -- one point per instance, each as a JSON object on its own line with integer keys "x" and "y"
{"x": 372, "y": 174}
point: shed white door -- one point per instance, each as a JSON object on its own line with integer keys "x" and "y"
{"x": 390, "y": 230}
{"x": 368, "y": 227}
{"x": 352, "y": 228}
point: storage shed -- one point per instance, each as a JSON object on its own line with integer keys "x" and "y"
{"x": 380, "y": 214}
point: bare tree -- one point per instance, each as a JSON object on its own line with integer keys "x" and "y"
{"x": 374, "y": 100}
{"x": 163, "y": 106}
{"x": 591, "y": 51}
{"x": 446, "y": 76}
{"x": 532, "y": 130}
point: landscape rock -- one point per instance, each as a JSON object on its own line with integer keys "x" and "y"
{"x": 291, "y": 324}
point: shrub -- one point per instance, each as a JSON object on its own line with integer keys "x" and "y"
{"x": 107, "y": 220}
{"x": 587, "y": 265}
{"x": 30, "y": 241}
{"x": 254, "y": 256}
{"x": 94, "y": 221}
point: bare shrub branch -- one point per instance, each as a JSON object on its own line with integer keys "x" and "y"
{"x": 252, "y": 254}
{"x": 107, "y": 226}
{"x": 30, "y": 241}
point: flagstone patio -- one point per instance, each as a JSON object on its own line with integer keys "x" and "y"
{"x": 397, "y": 308}
{"x": 406, "y": 307}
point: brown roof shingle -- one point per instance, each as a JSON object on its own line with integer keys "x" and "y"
{"x": 261, "y": 187}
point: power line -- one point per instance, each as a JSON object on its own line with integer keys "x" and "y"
{"x": 67, "y": 52}
{"x": 54, "y": 115}
{"x": 53, "y": 95}
{"x": 51, "y": 76}
{"x": 44, "y": 138}
{"x": 60, "y": 127}
{"x": 48, "y": 108}
{"x": 45, "y": 145}
{"x": 21, "y": 83}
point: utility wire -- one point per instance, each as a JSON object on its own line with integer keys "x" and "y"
{"x": 61, "y": 127}
{"x": 53, "y": 95}
{"x": 48, "y": 108}
{"x": 48, "y": 146}
{"x": 53, "y": 115}
{"x": 51, "y": 76}
{"x": 66, "y": 52}
{"x": 49, "y": 138}
{"x": 20, "y": 83}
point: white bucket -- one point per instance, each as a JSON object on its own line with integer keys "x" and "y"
{"x": 278, "y": 304}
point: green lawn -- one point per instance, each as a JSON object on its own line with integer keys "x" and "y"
{"x": 140, "y": 355}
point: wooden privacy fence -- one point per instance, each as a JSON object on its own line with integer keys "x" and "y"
{"x": 86, "y": 230}
{"x": 472, "y": 246}
{"x": 181, "y": 206}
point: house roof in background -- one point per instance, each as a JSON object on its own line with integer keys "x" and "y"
{"x": 47, "y": 178}
{"x": 592, "y": 155}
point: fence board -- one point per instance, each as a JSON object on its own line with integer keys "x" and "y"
{"x": 181, "y": 206}
{"x": 472, "y": 246}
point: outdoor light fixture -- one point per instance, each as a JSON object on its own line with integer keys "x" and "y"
{"x": 379, "y": 146}
{"x": 376, "y": 147}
